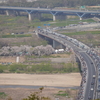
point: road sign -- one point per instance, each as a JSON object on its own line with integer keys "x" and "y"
{"x": 45, "y": 24}
{"x": 83, "y": 7}
{"x": 39, "y": 27}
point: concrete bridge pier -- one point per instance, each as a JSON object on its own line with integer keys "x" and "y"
{"x": 59, "y": 17}
{"x": 80, "y": 18}
{"x": 10, "y": 13}
{"x": 57, "y": 45}
{"x": 32, "y": 16}
{"x": 54, "y": 18}
{"x": 29, "y": 14}
{"x": 54, "y": 15}
{"x": 7, "y": 13}
{"x": 80, "y": 15}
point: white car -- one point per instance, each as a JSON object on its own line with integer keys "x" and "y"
{"x": 91, "y": 89}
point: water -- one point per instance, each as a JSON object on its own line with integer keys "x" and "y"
{"x": 35, "y": 87}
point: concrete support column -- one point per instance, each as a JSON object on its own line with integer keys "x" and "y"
{"x": 32, "y": 16}
{"x": 81, "y": 15}
{"x": 57, "y": 45}
{"x": 7, "y": 13}
{"x": 29, "y": 17}
{"x": 10, "y": 13}
{"x": 59, "y": 17}
{"x": 54, "y": 18}
{"x": 80, "y": 18}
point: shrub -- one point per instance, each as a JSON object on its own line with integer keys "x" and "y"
{"x": 36, "y": 96}
{"x": 1, "y": 71}
{"x": 2, "y": 95}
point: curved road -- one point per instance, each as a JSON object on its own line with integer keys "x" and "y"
{"x": 91, "y": 72}
{"x": 89, "y": 89}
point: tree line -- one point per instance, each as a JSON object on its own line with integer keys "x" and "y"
{"x": 51, "y": 3}
{"x": 26, "y": 50}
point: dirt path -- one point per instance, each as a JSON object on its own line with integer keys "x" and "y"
{"x": 62, "y": 80}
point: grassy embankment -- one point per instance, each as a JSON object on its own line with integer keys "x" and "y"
{"x": 31, "y": 66}
{"x": 41, "y": 65}
{"x": 46, "y": 67}
{"x": 82, "y": 33}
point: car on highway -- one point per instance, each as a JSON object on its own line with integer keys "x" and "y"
{"x": 92, "y": 83}
{"x": 91, "y": 89}
{"x": 98, "y": 90}
{"x": 91, "y": 62}
{"x": 98, "y": 69}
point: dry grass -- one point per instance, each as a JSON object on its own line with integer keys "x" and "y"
{"x": 11, "y": 59}
{"x": 61, "y": 55}
{"x": 20, "y": 93}
{"x": 32, "y": 41}
{"x": 60, "y": 80}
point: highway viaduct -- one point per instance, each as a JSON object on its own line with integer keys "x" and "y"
{"x": 57, "y": 14}
{"x": 87, "y": 91}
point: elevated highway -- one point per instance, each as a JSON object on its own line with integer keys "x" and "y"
{"x": 57, "y": 13}
{"x": 88, "y": 88}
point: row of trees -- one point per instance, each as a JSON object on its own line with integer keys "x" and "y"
{"x": 52, "y": 3}
{"x": 26, "y": 50}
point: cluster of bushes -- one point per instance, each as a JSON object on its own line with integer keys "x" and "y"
{"x": 3, "y": 95}
{"x": 39, "y": 68}
{"x": 26, "y": 50}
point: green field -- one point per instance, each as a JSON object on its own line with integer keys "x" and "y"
{"x": 82, "y": 33}
{"x": 10, "y": 24}
{"x": 39, "y": 68}
{"x": 2, "y": 95}
{"x": 70, "y": 21}
{"x": 62, "y": 93}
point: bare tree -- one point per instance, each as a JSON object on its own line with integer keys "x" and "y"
{"x": 26, "y": 50}
{"x": 41, "y": 50}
